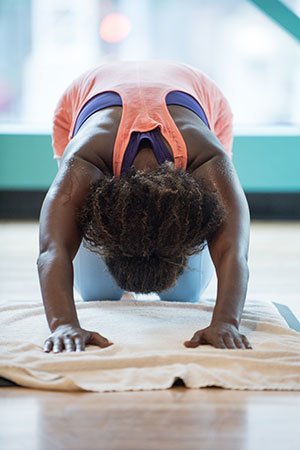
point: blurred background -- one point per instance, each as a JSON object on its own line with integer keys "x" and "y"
{"x": 249, "y": 47}
{"x": 46, "y": 44}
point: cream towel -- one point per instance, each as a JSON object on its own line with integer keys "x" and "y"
{"x": 148, "y": 351}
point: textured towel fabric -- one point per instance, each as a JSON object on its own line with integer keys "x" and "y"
{"x": 148, "y": 351}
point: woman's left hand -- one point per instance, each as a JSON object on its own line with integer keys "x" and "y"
{"x": 220, "y": 335}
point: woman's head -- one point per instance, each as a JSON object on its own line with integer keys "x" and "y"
{"x": 146, "y": 224}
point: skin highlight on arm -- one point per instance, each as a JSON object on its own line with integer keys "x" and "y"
{"x": 229, "y": 251}
{"x": 60, "y": 238}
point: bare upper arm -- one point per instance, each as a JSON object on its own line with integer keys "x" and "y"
{"x": 233, "y": 234}
{"x": 59, "y": 226}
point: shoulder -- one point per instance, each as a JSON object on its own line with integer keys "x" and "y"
{"x": 203, "y": 144}
{"x": 219, "y": 175}
{"x": 217, "y": 169}
{"x": 71, "y": 185}
{"x": 90, "y": 147}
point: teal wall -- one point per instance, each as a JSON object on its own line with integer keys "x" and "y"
{"x": 263, "y": 163}
{"x": 26, "y": 161}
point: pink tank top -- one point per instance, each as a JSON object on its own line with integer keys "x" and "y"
{"x": 143, "y": 86}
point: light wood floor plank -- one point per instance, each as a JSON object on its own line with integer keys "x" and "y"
{"x": 166, "y": 420}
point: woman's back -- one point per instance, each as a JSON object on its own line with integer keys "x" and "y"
{"x": 143, "y": 87}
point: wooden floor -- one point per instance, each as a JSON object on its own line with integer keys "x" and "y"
{"x": 177, "y": 418}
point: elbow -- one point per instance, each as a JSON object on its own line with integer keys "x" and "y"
{"x": 240, "y": 258}
{"x": 230, "y": 251}
{"x": 51, "y": 256}
{"x": 235, "y": 260}
{"x": 45, "y": 258}
{"x": 245, "y": 267}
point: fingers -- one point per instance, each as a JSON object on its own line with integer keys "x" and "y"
{"x": 242, "y": 342}
{"x": 219, "y": 343}
{"x": 191, "y": 343}
{"x": 229, "y": 342}
{"x": 58, "y": 345}
{"x": 101, "y": 341}
{"x": 195, "y": 341}
{"x": 69, "y": 344}
{"x": 237, "y": 342}
{"x": 79, "y": 344}
{"x": 74, "y": 340}
{"x": 246, "y": 342}
{"x": 48, "y": 346}
{"x": 219, "y": 339}
{"x": 74, "y": 343}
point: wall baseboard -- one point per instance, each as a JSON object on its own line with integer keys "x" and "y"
{"x": 21, "y": 204}
{"x": 26, "y": 204}
{"x": 274, "y": 205}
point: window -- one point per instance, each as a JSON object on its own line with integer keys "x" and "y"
{"x": 46, "y": 44}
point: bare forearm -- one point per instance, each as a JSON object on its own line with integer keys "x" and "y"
{"x": 233, "y": 275}
{"x": 56, "y": 281}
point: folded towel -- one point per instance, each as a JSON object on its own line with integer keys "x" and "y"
{"x": 148, "y": 351}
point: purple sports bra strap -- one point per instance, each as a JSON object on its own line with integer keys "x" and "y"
{"x": 162, "y": 154}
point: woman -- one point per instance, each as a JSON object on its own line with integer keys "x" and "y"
{"x": 146, "y": 182}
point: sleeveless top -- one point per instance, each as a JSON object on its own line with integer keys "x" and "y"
{"x": 143, "y": 87}
{"x": 159, "y": 147}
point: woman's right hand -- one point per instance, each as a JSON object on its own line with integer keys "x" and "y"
{"x": 73, "y": 338}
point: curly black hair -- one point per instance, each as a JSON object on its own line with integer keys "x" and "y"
{"x": 147, "y": 223}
